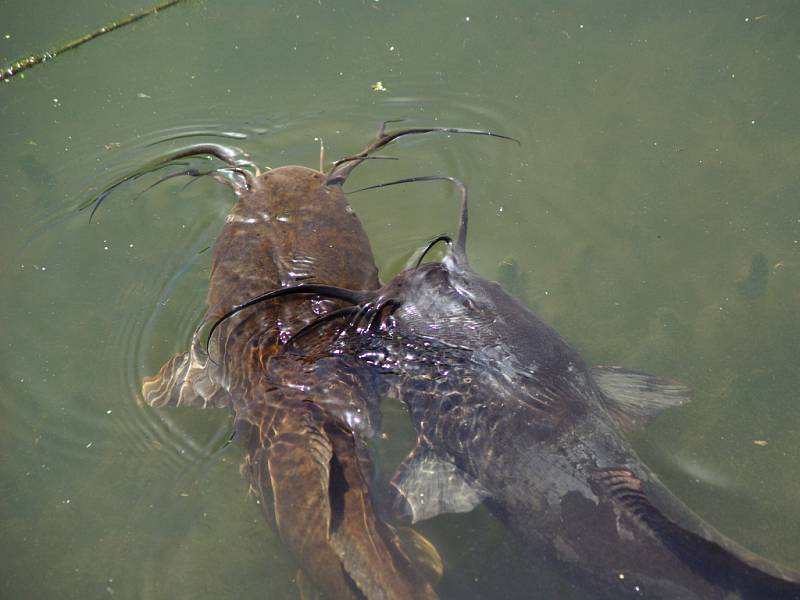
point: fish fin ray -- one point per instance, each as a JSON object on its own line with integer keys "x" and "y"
{"x": 635, "y": 398}
{"x": 186, "y": 379}
{"x": 426, "y": 485}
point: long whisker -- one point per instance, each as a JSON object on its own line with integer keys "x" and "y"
{"x": 342, "y": 168}
{"x": 100, "y": 198}
{"x": 460, "y": 251}
{"x": 228, "y": 155}
{"x": 326, "y": 318}
{"x": 191, "y": 172}
{"x": 233, "y": 135}
{"x": 328, "y": 291}
{"x": 337, "y": 181}
{"x": 431, "y": 244}
{"x": 364, "y": 311}
{"x": 376, "y": 321}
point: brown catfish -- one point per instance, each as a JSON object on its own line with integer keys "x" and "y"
{"x": 303, "y": 420}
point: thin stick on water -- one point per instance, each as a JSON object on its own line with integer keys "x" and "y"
{"x": 29, "y": 61}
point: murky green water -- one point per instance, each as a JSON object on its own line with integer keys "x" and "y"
{"x": 652, "y": 214}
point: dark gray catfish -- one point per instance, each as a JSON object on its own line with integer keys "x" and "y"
{"x": 506, "y": 411}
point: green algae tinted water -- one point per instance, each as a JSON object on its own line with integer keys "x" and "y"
{"x": 651, "y": 214}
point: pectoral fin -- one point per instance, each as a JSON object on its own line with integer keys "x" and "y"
{"x": 186, "y": 379}
{"x": 636, "y": 398}
{"x": 426, "y": 485}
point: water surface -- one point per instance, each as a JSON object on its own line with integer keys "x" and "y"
{"x": 651, "y": 214}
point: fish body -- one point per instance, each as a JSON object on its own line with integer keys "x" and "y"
{"x": 507, "y": 412}
{"x": 302, "y": 420}
{"x": 303, "y": 417}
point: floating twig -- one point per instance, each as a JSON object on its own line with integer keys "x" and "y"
{"x": 29, "y": 61}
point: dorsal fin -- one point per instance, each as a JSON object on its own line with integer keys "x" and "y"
{"x": 634, "y": 398}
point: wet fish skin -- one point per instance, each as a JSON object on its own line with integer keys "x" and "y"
{"x": 302, "y": 419}
{"x": 507, "y": 412}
